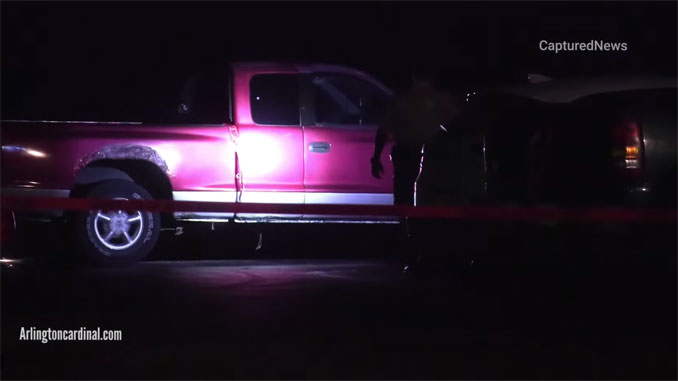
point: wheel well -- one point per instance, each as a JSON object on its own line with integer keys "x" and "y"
{"x": 142, "y": 172}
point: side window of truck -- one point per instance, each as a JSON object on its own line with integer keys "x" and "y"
{"x": 346, "y": 100}
{"x": 274, "y": 99}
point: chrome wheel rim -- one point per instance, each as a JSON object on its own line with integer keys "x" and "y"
{"x": 118, "y": 230}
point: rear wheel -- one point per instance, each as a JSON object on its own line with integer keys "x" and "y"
{"x": 116, "y": 237}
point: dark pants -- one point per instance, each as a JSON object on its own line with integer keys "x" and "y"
{"x": 406, "y": 163}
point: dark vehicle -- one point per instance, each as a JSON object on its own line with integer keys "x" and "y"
{"x": 584, "y": 143}
{"x": 605, "y": 142}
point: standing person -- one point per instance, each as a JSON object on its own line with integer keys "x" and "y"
{"x": 415, "y": 116}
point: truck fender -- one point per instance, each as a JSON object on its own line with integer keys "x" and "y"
{"x": 125, "y": 151}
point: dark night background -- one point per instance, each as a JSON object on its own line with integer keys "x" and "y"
{"x": 563, "y": 301}
{"x": 125, "y": 61}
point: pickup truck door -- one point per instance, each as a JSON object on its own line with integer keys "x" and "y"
{"x": 270, "y": 142}
{"x": 341, "y": 113}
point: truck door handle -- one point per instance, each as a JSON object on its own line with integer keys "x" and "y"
{"x": 319, "y": 147}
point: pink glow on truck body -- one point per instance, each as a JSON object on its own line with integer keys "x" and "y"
{"x": 265, "y": 163}
{"x": 197, "y": 157}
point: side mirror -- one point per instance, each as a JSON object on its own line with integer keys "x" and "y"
{"x": 182, "y": 109}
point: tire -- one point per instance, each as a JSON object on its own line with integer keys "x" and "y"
{"x": 115, "y": 238}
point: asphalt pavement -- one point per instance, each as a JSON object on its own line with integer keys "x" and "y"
{"x": 334, "y": 303}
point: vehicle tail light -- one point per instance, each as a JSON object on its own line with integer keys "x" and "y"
{"x": 628, "y": 148}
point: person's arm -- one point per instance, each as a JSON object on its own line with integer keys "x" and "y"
{"x": 380, "y": 141}
{"x": 383, "y": 132}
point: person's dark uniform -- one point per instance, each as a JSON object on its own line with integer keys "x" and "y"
{"x": 414, "y": 117}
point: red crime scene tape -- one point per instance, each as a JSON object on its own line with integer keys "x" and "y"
{"x": 420, "y": 212}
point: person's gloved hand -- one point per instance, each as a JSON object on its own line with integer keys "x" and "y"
{"x": 377, "y": 168}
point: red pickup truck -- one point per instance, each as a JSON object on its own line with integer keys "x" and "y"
{"x": 262, "y": 132}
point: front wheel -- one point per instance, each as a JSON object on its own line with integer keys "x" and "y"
{"x": 116, "y": 237}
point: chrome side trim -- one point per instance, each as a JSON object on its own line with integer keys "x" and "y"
{"x": 312, "y": 221}
{"x": 349, "y": 198}
{"x": 202, "y": 216}
{"x": 272, "y": 197}
{"x": 219, "y": 220}
{"x": 209, "y": 196}
{"x": 285, "y": 198}
{"x": 205, "y": 196}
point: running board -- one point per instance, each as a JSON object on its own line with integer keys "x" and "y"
{"x": 265, "y": 220}
{"x": 213, "y": 220}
